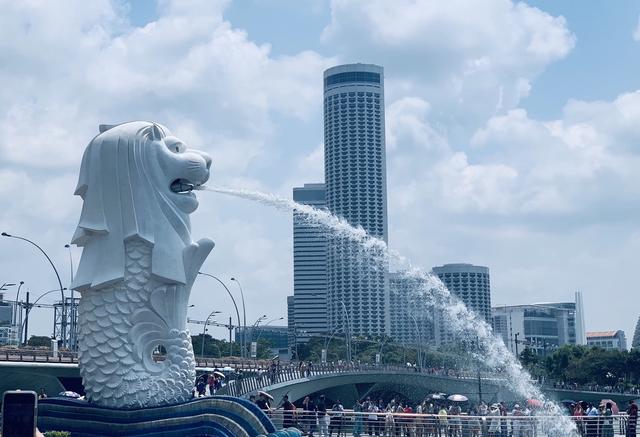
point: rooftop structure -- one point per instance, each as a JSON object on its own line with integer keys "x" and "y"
{"x": 608, "y": 340}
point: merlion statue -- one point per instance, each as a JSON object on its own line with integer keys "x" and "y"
{"x": 138, "y": 265}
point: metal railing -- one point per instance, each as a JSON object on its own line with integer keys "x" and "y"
{"x": 251, "y": 381}
{"x": 348, "y": 423}
{"x": 38, "y": 356}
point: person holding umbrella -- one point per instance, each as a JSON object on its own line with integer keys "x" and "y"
{"x": 263, "y": 401}
{"x": 607, "y": 422}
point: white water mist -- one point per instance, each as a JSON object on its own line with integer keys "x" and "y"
{"x": 462, "y": 321}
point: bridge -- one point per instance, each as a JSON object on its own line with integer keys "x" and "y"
{"x": 348, "y": 383}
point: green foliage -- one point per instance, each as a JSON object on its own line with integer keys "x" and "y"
{"x": 364, "y": 349}
{"x": 585, "y": 365}
{"x": 215, "y": 348}
{"x": 57, "y": 434}
{"x": 39, "y": 340}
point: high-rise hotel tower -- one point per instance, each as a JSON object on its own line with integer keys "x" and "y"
{"x": 356, "y": 190}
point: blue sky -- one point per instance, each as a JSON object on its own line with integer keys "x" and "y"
{"x": 512, "y": 131}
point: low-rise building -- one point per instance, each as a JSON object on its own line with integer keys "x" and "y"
{"x": 276, "y": 336}
{"x": 10, "y": 322}
{"x": 608, "y": 340}
{"x": 542, "y": 327}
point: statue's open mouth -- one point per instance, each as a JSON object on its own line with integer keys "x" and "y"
{"x": 182, "y": 186}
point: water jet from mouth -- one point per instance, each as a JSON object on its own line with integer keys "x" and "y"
{"x": 429, "y": 290}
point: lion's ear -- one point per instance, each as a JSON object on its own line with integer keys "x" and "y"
{"x": 105, "y": 127}
{"x": 156, "y": 132}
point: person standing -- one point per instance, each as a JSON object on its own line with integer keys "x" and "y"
{"x": 289, "y": 413}
{"x": 357, "y": 420}
{"x": 494, "y": 421}
{"x": 632, "y": 423}
{"x": 309, "y": 411}
{"x": 323, "y": 418}
{"x": 201, "y": 387}
{"x": 607, "y": 421}
{"x": 211, "y": 383}
{"x": 336, "y": 418}
{"x": 263, "y": 403}
{"x": 591, "y": 421}
{"x": 442, "y": 422}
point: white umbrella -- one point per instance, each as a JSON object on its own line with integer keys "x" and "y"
{"x": 458, "y": 398}
{"x": 219, "y": 374}
{"x": 265, "y": 394}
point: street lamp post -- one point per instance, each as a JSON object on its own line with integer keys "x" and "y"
{"x": 15, "y": 312}
{"x": 27, "y": 305}
{"x": 415, "y": 322}
{"x": 204, "y": 330}
{"x": 244, "y": 319}
{"x": 327, "y": 343}
{"x": 230, "y": 295}
{"x": 258, "y": 321}
{"x": 348, "y": 330}
{"x": 267, "y": 324}
{"x": 64, "y": 308}
{"x": 73, "y": 335}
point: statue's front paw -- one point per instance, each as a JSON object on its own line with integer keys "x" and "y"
{"x": 194, "y": 256}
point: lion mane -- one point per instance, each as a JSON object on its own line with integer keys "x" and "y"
{"x": 121, "y": 201}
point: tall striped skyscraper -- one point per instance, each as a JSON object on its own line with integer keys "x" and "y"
{"x": 309, "y": 303}
{"x": 356, "y": 190}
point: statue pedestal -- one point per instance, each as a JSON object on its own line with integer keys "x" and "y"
{"x": 222, "y": 416}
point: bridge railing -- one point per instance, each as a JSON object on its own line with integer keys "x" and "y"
{"x": 38, "y": 356}
{"x": 350, "y": 423}
{"x": 247, "y": 382}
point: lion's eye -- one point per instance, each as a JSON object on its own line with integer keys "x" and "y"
{"x": 177, "y": 147}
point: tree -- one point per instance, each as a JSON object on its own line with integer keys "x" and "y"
{"x": 39, "y": 341}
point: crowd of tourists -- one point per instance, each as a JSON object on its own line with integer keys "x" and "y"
{"x": 597, "y": 420}
{"x": 368, "y": 417}
{"x": 208, "y": 384}
{"x": 617, "y": 388}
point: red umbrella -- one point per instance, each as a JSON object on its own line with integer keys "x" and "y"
{"x": 534, "y": 403}
{"x": 614, "y": 406}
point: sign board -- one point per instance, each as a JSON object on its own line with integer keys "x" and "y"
{"x": 254, "y": 349}
{"x": 323, "y": 356}
{"x": 378, "y": 358}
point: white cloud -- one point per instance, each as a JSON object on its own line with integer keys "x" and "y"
{"x": 472, "y": 177}
{"x": 466, "y": 64}
{"x": 189, "y": 68}
{"x": 67, "y": 69}
{"x": 636, "y": 31}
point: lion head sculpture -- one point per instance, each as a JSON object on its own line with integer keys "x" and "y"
{"x": 128, "y": 180}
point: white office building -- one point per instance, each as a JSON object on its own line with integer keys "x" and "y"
{"x": 355, "y": 177}
{"x": 542, "y": 327}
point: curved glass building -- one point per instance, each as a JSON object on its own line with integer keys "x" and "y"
{"x": 356, "y": 190}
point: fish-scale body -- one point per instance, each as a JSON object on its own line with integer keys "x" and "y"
{"x": 121, "y": 326}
